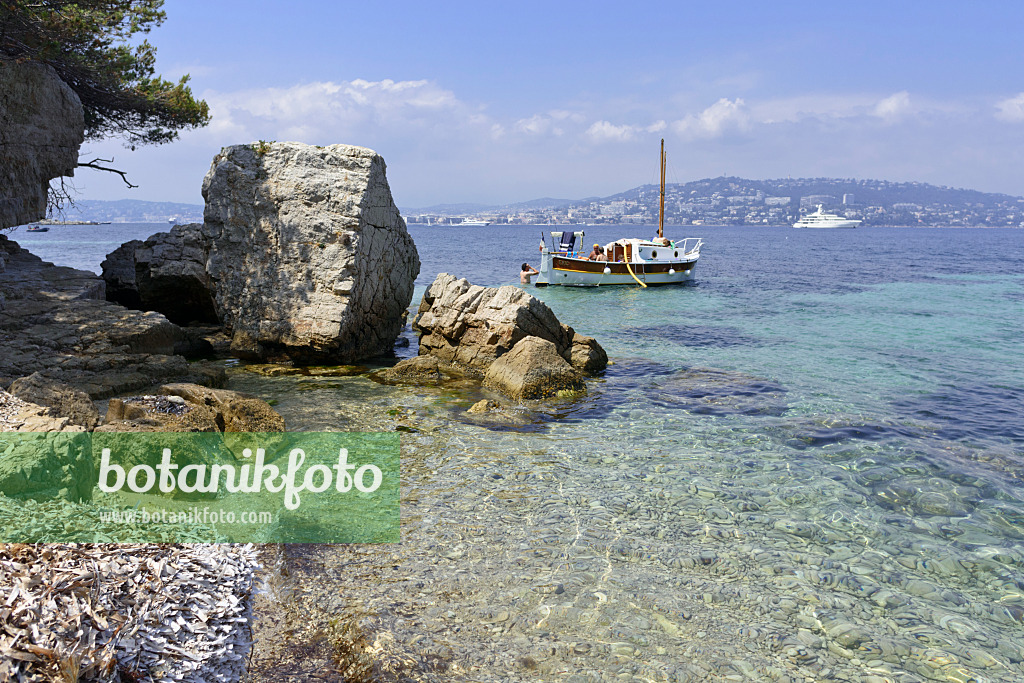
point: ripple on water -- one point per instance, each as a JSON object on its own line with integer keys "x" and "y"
{"x": 690, "y": 335}
{"x": 833, "y": 431}
{"x": 708, "y": 391}
{"x": 976, "y": 411}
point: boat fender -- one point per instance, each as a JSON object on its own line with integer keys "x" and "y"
{"x": 607, "y": 270}
{"x": 671, "y": 271}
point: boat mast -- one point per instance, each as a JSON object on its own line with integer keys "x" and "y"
{"x": 661, "y": 205}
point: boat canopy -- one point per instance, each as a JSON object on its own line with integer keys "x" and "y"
{"x": 566, "y": 239}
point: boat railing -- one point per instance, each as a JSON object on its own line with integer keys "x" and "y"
{"x": 690, "y": 245}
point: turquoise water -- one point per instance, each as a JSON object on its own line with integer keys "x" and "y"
{"x": 805, "y": 467}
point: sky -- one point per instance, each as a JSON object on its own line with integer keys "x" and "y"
{"x": 500, "y": 102}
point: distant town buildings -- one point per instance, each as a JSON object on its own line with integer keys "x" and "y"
{"x": 737, "y": 201}
{"x": 812, "y": 201}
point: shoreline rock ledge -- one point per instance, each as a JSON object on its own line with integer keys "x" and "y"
{"x": 302, "y": 256}
{"x": 504, "y": 336}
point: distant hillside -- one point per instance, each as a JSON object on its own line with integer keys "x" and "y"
{"x": 711, "y": 201}
{"x": 865, "y": 192}
{"x": 133, "y": 211}
{"x": 740, "y": 201}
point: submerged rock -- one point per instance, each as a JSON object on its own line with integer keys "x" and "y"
{"x": 424, "y": 370}
{"x": 483, "y": 406}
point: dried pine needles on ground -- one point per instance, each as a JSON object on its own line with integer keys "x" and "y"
{"x": 125, "y": 612}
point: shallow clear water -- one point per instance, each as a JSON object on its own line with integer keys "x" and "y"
{"x": 805, "y": 467}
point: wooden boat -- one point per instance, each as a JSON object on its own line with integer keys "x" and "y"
{"x": 630, "y": 261}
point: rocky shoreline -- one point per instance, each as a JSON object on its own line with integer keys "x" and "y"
{"x": 86, "y": 357}
{"x": 302, "y": 263}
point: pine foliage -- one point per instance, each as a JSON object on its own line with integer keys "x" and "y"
{"x": 93, "y": 45}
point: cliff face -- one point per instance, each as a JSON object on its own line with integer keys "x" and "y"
{"x": 41, "y": 129}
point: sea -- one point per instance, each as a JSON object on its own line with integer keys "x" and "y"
{"x": 805, "y": 466}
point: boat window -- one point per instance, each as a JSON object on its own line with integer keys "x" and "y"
{"x": 654, "y": 253}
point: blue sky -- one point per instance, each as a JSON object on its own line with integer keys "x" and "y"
{"x": 498, "y": 102}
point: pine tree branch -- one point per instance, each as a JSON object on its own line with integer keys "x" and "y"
{"x": 93, "y": 164}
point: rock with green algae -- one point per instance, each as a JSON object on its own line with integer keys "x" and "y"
{"x": 533, "y": 369}
{"x": 283, "y": 370}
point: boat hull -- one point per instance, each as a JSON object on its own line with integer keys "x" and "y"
{"x": 558, "y": 270}
{"x": 845, "y": 224}
{"x": 823, "y": 219}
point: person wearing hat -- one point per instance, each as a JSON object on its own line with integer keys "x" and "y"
{"x": 595, "y": 253}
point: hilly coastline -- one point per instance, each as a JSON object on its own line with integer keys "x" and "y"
{"x": 740, "y": 201}
{"x": 710, "y": 201}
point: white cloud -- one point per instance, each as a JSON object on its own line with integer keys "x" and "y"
{"x": 537, "y": 124}
{"x": 555, "y": 122}
{"x": 315, "y": 112}
{"x": 442, "y": 147}
{"x": 1011, "y": 109}
{"x": 817, "y": 106}
{"x": 894, "y": 107}
{"x": 722, "y": 116}
{"x": 605, "y": 131}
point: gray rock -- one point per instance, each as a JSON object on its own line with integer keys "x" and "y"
{"x": 118, "y": 272}
{"x": 57, "y": 323}
{"x": 171, "y": 277}
{"x": 309, "y": 258}
{"x": 424, "y": 370}
{"x": 533, "y": 369}
{"x": 586, "y": 355}
{"x": 473, "y": 326}
{"x": 165, "y": 273}
{"x": 42, "y": 126}
{"x": 65, "y": 401}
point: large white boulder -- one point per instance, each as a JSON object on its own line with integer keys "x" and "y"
{"x": 308, "y": 256}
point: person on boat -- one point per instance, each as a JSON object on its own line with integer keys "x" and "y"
{"x": 595, "y": 253}
{"x": 526, "y": 273}
{"x": 603, "y": 256}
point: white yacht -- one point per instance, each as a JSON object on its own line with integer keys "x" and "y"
{"x": 820, "y": 219}
{"x": 474, "y": 223}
